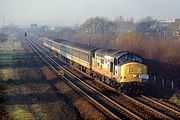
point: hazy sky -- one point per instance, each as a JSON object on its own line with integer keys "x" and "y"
{"x": 70, "y": 12}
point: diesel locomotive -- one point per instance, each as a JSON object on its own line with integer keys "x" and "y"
{"x": 121, "y": 70}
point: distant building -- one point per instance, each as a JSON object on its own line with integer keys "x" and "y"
{"x": 166, "y": 21}
{"x": 163, "y": 27}
{"x": 176, "y": 27}
{"x": 177, "y": 20}
{"x": 168, "y": 27}
{"x": 34, "y": 26}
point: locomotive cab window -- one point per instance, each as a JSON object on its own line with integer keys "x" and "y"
{"x": 138, "y": 59}
{"x": 122, "y": 59}
{"x": 135, "y": 58}
{"x": 130, "y": 57}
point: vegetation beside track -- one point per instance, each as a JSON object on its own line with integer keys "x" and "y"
{"x": 176, "y": 99}
{"x": 10, "y": 110}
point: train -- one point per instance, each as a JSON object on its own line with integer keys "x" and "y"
{"x": 121, "y": 70}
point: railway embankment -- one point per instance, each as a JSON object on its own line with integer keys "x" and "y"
{"x": 25, "y": 92}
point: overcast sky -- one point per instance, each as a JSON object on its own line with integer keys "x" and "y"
{"x": 71, "y": 12}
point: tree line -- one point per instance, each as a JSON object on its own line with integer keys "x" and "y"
{"x": 3, "y": 37}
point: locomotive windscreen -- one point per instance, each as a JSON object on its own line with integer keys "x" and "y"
{"x": 129, "y": 57}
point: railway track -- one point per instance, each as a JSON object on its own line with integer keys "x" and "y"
{"x": 143, "y": 110}
{"x": 108, "y": 105}
{"x": 129, "y": 103}
{"x": 166, "y": 103}
{"x": 160, "y": 107}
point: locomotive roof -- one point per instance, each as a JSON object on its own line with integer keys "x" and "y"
{"x": 110, "y": 52}
{"x": 55, "y": 40}
{"x": 104, "y": 52}
{"x": 85, "y": 47}
{"x": 59, "y": 40}
{"x": 88, "y": 48}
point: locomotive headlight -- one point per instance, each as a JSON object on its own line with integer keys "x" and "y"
{"x": 135, "y": 76}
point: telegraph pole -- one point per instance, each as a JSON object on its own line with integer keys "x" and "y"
{"x": 1, "y": 16}
{"x": 3, "y": 20}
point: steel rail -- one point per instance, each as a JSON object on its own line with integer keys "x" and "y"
{"x": 170, "y": 110}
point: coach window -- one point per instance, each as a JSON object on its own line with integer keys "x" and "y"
{"x": 70, "y": 51}
{"x": 56, "y": 46}
{"x": 82, "y": 55}
{"x": 62, "y": 48}
{"x": 65, "y": 49}
{"x": 76, "y": 53}
{"x": 88, "y": 58}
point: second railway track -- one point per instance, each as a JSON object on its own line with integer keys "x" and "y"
{"x": 170, "y": 105}
{"x": 160, "y": 107}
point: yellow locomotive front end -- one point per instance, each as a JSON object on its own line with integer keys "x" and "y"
{"x": 131, "y": 73}
{"x": 133, "y": 77}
